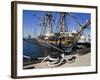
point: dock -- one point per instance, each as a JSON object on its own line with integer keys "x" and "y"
{"x": 81, "y": 60}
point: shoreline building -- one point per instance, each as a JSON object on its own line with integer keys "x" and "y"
{"x": 85, "y": 39}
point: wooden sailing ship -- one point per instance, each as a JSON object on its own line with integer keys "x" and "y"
{"x": 61, "y": 35}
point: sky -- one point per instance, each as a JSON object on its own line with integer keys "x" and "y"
{"x": 32, "y": 19}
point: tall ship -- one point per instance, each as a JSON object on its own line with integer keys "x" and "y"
{"x": 61, "y": 37}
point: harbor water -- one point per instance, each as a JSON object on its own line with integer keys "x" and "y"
{"x": 31, "y": 50}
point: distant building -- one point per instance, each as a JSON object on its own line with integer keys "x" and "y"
{"x": 29, "y": 37}
{"x": 85, "y": 38}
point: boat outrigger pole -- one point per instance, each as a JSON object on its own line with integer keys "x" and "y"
{"x": 78, "y": 35}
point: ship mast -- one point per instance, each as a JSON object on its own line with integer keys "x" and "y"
{"x": 42, "y": 24}
{"x": 63, "y": 22}
{"x": 48, "y": 23}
